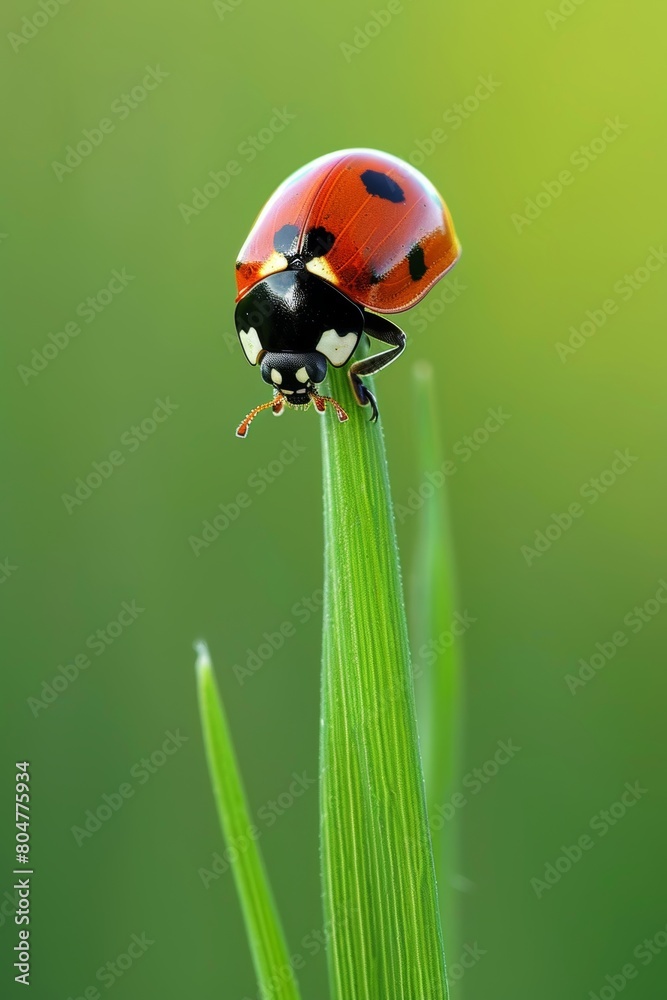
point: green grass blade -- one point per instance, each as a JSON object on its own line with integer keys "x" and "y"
{"x": 380, "y": 895}
{"x": 438, "y": 683}
{"x": 267, "y": 943}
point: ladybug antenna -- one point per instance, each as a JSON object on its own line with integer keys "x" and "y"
{"x": 320, "y": 405}
{"x": 276, "y": 403}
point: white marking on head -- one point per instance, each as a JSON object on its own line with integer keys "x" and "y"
{"x": 288, "y": 392}
{"x": 336, "y": 348}
{"x": 302, "y": 375}
{"x": 276, "y": 377}
{"x": 250, "y": 344}
{"x": 301, "y": 390}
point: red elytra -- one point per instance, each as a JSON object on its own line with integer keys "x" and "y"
{"x": 393, "y": 236}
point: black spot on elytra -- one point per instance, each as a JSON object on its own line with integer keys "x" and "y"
{"x": 375, "y": 279}
{"x": 383, "y": 186}
{"x": 285, "y": 240}
{"x": 416, "y": 263}
{"x": 318, "y": 242}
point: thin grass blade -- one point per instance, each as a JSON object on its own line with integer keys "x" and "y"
{"x": 267, "y": 943}
{"x": 437, "y": 650}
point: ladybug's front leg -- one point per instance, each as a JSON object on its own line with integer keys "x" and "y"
{"x": 386, "y": 331}
{"x": 364, "y": 396}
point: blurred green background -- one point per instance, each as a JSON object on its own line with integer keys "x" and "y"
{"x": 494, "y": 103}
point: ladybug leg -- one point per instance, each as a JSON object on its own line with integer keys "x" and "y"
{"x": 364, "y": 396}
{"x": 386, "y": 331}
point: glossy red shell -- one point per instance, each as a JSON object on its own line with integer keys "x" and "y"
{"x": 392, "y": 236}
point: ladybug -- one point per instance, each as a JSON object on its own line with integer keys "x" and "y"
{"x": 350, "y": 235}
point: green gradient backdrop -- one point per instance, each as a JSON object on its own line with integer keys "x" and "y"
{"x": 494, "y": 345}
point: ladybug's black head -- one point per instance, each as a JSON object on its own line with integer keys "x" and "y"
{"x": 292, "y": 323}
{"x": 294, "y": 375}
